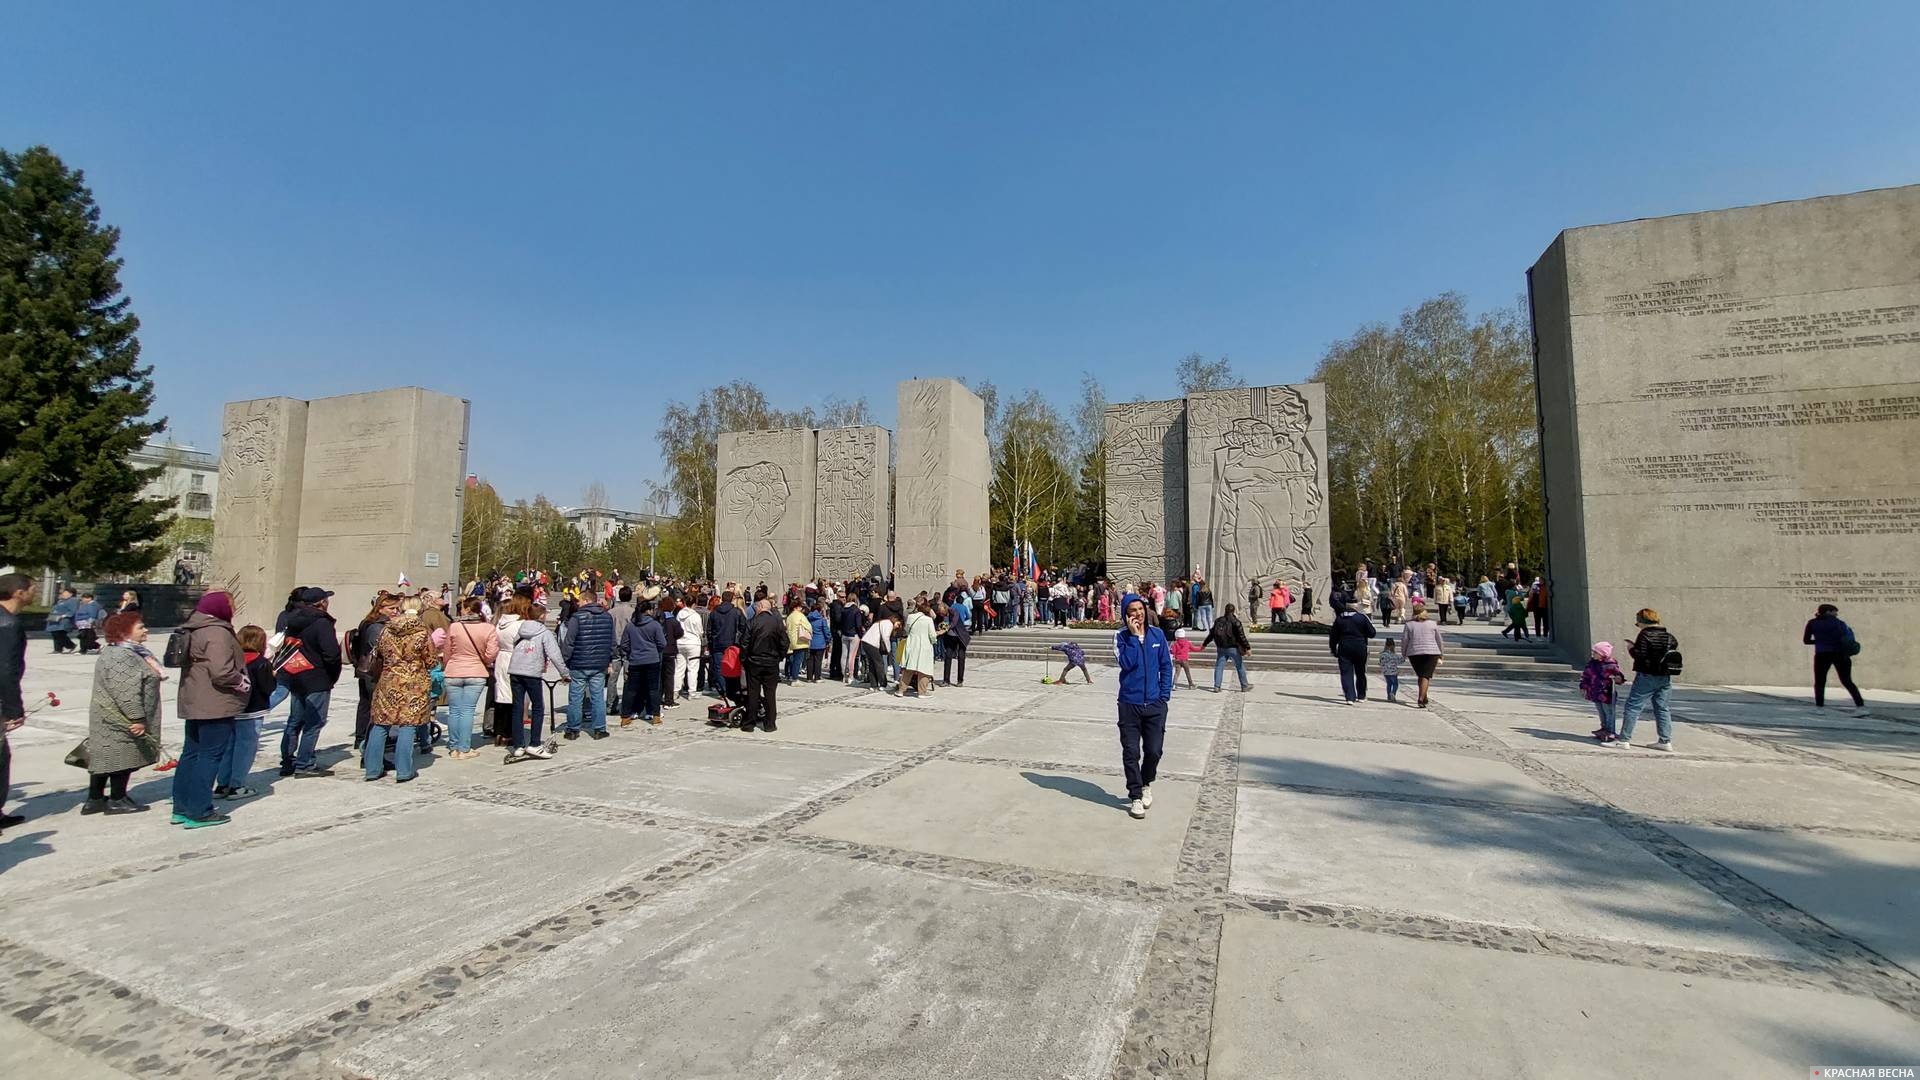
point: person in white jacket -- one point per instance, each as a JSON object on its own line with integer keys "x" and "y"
{"x": 512, "y": 612}
{"x": 693, "y": 634}
{"x": 536, "y": 657}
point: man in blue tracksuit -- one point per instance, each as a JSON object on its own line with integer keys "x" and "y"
{"x": 1146, "y": 683}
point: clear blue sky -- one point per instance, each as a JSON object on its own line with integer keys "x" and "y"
{"x": 632, "y": 202}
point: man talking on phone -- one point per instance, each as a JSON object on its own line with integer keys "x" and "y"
{"x": 1146, "y": 684}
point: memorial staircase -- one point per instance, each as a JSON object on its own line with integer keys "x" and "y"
{"x": 1470, "y": 655}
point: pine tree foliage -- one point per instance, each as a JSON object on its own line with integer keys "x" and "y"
{"x": 75, "y": 396}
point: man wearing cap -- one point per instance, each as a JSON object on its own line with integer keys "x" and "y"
{"x": 1146, "y": 684}
{"x": 311, "y": 688}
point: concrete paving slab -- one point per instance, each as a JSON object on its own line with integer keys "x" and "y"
{"x": 1305, "y": 1002}
{"x": 416, "y": 889}
{"x": 1867, "y": 889}
{"x": 1390, "y": 767}
{"x": 1562, "y": 874}
{"x": 1765, "y": 794}
{"x": 1090, "y": 745}
{"x": 1876, "y": 750}
{"x": 973, "y": 699}
{"x": 740, "y": 779}
{"x": 57, "y": 843}
{"x": 1552, "y": 734}
{"x": 824, "y": 690}
{"x": 1561, "y": 705}
{"x": 29, "y": 1055}
{"x": 877, "y": 729}
{"x": 1187, "y": 709}
{"x": 868, "y": 970}
{"x": 1054, "y": 820}
{"x": 1744, "y": 710}
{"x": 1385, "y": 723}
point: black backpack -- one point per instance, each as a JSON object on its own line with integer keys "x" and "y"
{"x": 1672, "y": 663}
{"x": 178, "y": 649}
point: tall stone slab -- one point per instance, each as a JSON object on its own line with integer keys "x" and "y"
{"x": 763, "y": 529}
{"x": 1730, "y": 431}
{"x": 851, "y": 514}
{"x": 382, "y": 494}
{"x": 1256, "y": 477}
{"x": 1146, "y": 508}
{"x": 940, "y": 517}
{"x": 256, "y": 521}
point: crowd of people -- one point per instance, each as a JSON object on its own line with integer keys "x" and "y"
{"x": 493, "y": 652}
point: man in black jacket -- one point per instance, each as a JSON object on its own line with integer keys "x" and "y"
{"x": 309, "y": 679}
{"x": 724, "y": 628}
{"x": 849, "y": 626}
{"x": 16, "y": 592}
{"x": 766, "y": 650}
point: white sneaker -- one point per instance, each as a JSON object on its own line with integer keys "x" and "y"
{"x": 1146, "y": 797}
{"x": 541, "y": 751}
{"x": 1663, "y": 744}
{"x": 1137, "y": 808}
{"x": 1621, "y": 744}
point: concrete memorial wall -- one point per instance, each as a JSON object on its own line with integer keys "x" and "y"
{"x": 942, "y": 477}
{"x": 852, "y": 515}
{"x": 1229, "y": 483}
{"x": 1730, "y": 425}
{"x": 346, "y": 493}
{"x": 764, "y": 526}
{"x": 382, "y": 492}
{"x": 1146, "y": 517}
{"x": 1257, "y": 489}
{"x": 257, "y": 514}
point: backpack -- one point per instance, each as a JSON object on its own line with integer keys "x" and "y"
{"x": 1671, "y": 662}
{"x": 177, "y": 650}
{"x": 730, "y": 662}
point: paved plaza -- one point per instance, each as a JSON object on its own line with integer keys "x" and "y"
{"x": 951, "y": 887}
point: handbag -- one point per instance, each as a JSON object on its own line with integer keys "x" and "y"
{"x": 77, "y": 757}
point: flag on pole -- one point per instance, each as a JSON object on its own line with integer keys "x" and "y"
{"x": 1016, "y": 557}
{"x": 404, "y": 583}
{"x": 1033, "y": 565}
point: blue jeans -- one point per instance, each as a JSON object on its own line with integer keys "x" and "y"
{"x": 376, "y": 755}
{"x": 794, "y": 660}
{"x": 463, "y": 697}
{"x": 279, "y": 695}
{"x": 1203, "y": 617}
{"x": 590, "y": 688}
{"x": 1605, "y": 709}
{"x": 1393, "y": 686}
{"x": 1656, "y": 687}
{"x": 202, "y": 757}
{"x": 529, "y": 709}
{"x": 301, "y": 737}
{"x": 1220, "y": 658}
{"x": 240, "y": 752}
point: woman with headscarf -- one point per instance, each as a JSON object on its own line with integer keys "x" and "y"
{"x": 403, "y": 693}
{"x": 123, "y": 719}
{"x": 213, "y": 691}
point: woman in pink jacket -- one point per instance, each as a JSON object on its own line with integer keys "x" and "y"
{"x": 469, "y": 647}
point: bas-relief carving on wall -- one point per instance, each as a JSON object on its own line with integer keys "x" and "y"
{"x": 247, "y": 473}
{"x": 757, "y": 495}
{"x": 920, "y": 498}
{"x": 1264, "y": 481}
{"x": 845, "y": 506}
{"x": 1146, "y": 516}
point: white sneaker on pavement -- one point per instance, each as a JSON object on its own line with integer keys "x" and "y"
{"x": 1137, "y": 809}
{"x": 1663, "y": 744}
{"x": 1146, "y": 796}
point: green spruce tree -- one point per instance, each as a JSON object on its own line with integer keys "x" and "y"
{"x": 76, "y": 397}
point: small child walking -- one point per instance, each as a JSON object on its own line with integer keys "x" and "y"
{"x": 1076, "y": 658}
{"x": 1596, "y": 685}
{"x": 1182, "y": 650}
{"x": 1390, "y": 661}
